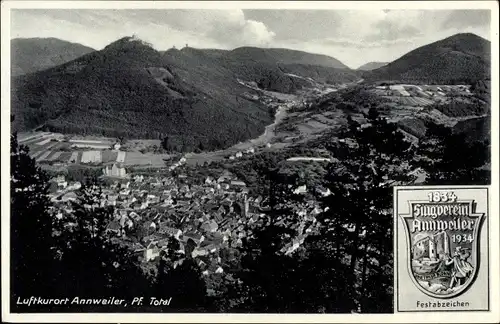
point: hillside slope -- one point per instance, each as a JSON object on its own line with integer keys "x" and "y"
{"x": 371, "y": 66}
{"x": 270, "y": 72}
{"x": 129, "y": 89}
{"x": 30, "y": 55}
{"x": 213, "y": 69}
{"x": 462, "y": 58}
{"x": 284, "y": 56}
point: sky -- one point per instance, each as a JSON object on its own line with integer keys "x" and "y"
{"x": 354, "y": 37}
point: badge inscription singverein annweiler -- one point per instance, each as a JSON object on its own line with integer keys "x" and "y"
{"x": 442, "y": 229}
{"x": 442, "y": 233}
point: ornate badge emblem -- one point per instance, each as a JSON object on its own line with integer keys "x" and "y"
{"x": 442, "y": 236}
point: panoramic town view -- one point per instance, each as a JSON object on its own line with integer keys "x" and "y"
{"x": 232, "y": 161}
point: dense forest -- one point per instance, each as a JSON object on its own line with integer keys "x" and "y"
{"x": 130, "y": 90}
{"x": 458, "y": 59}
{"x": 35, "y": 54}
{"x": 283, "y": 56}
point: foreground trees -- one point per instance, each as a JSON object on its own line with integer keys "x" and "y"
{"x": 180, "y": 278}
{"x": 357, "y": 218}
{"x": 64, "y": 257}
{"x": 343, "y": 265}
{"x": 90, "y": 263}
{"x": 31, "y": 225}
{"x": 346, "y": 264}
{"x": 449, "y": 159}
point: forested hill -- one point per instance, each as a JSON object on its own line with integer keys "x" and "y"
{"x": 269, "y": 74}
{"x": 371, "y": 66}
{"x": 462, "y": 58}
{"x": 210, "y": 71}
{"x": 129, "y": 89}
{"x": 30, "y": 55}
{"x": 319, "y": 67}
{"x": 284, "y": 56}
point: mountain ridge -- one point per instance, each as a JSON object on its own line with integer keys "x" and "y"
{"x": 193, "y": 97}
{"x": 129, "y": 89}
{"x": 29, "y": 55}
{"x": 371, "y": 66}
{"x": 460, "y": 58}
{"x": 306, "y": 69}
{"x": 286, "y": 56}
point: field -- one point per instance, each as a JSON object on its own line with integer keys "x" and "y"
{"x": 410, "y": 101}
{"x": 307, "y": 125}
{"x": 421, "y": 95}
{"x": 91, "y": 157}
{"x": 148, "y": 159}
{"x": 56, "y": 149}
{"x": 93, "y": 146}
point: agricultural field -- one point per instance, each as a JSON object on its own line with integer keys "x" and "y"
{"x": 110, "y": 156}
{"x": 299, "y": 127}
{"x": 56, "y": 149}
{"x": 90, "y": 146}
{"x": 421, "y": 95}
{"x": 94, "y": 157}
{"x": 401, "y": 89}
{"x": 324, "y": 119}
{"x": 120, "y": 157}
{"x": 75, "y": 156}
{"x": 145, "y": 159}
{"x": 410, "y": 101}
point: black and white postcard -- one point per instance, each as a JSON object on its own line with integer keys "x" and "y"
{"x": 286, "y": 161}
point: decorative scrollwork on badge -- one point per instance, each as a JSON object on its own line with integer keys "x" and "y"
{"x": 442, "y": 235}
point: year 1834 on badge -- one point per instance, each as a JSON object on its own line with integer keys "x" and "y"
{"x": 441, "y": 251}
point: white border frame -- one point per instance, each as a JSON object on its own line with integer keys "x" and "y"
{"x": 456, "y": 317}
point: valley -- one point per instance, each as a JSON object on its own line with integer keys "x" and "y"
{"x": 295, "y": 124}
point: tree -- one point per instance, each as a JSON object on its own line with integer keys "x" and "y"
{"x": 351, "y": 247}
{"x": 357, "y": 220}
{"x": 31, "y": 226}
{"x": 166, "y": 144}
{"x": 180, "y": 278}
{"x": 449, "y": 159}
{"x": 264, "y": 282}
{"x": 92, "y": 263}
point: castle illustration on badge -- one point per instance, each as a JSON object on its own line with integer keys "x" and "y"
{"x": 441, "y": 247}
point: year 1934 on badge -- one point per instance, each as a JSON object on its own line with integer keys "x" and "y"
{"x": 441, "y": 251}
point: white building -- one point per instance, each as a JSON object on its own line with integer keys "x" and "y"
{"x": 300, "y": 190}
{"x": 74, "y": 186}
{"x": 114, "y": 171}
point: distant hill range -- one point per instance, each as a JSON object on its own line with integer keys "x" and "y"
{"x": 30, "y": 55}
{"x": 462, "y": 58}
{"x": 282, "y": 62}
{"x": 371, "y": 66}
{"x": 284, "y": 56}
{"x": 190, "y": 97}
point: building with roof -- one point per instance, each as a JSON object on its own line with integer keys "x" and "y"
{"x": 432, "y": 247}
{"x": 114, "y": 171}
